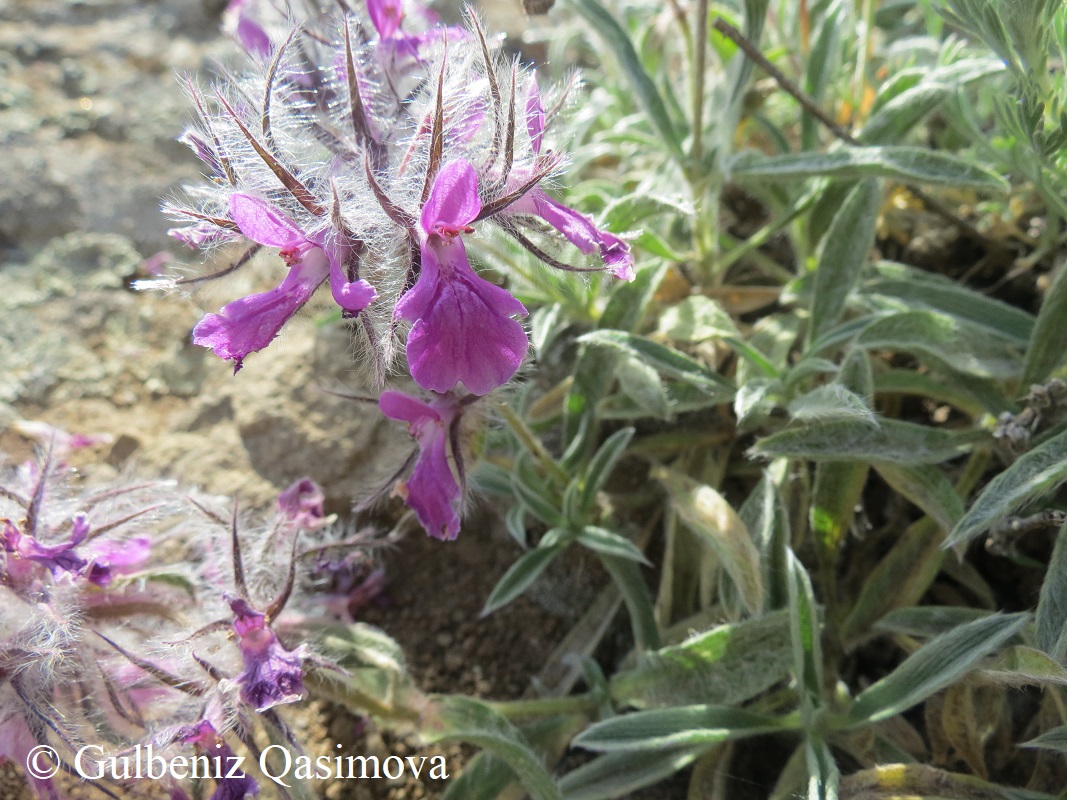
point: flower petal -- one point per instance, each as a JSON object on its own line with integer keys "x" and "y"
{"x": 404, "y": 407}
{"x": 463, "y": 331}
{"x": 432, "y": 491}
{"x": 453, "y": 200}
{"x": 262, "y": 224}
{"x": 535, "y": 115}
{"x": 351, "y": 296}
{"x": 386, "y": 16}
{"x": 251, "y": 323}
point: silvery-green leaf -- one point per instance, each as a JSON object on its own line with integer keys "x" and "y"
{"x": 1048, "y": 344}
{"x": 707, "y": 514}
{"x": 925, "y": 622}
{"x": 627, "y": 577}
{"x": 846, "y": 248}
{"x": 462, "y": 719}
{"x": 927, "y": 487}
{"x": 934, "y": 666}
{"x": 544, "y": 326}
{"x": 848, "y": 440}
{"x": 918, "y": 288}
{"x": 643, "y": 385}
{"x": 1033, "y": 475}
{"x": 1025, "y": 666}
{"x": 898, "y": 116}
{"x": 612, "y": 544}
{"x": 1052, "y": 739}
{"x": 948, "y": 341}
{"x": 666, "y": 360}
{"x": 696, "y": 319}
{"x": 602, "y": 464}
{"x": 1052, "y": 604}
{"x": 520, "y": 576}
{"x": 824, "y": 777}
{"x": 805, "y": 633}
{"x": 767, "y": 521}
{"x": 910, "y": 164}
{"x": 832, "y": 401}
{"x": 726, "y": 665}
{"x": 615, "y": 775}
{"x": 684, "y": 726}
{"x": 618, "y": 40}
{"x": 681, "y": 398}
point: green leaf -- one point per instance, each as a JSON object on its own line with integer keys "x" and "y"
{"x": 603, "y": 464}
{"x": 725, "y": 666}
{"x": 675, "y": 727}
{"x": 1052, "y": 605}
{"x": 901, "y": 578}
{"x": 927, "y": 487}
{"x": 520, "y": 576}
{"x": 910, "y": 382}
{"x": 681, "y": 397}
{"x": 764, "y": 514}
{"x": 925, "y": 622}
{"x": 909, "y": 164}
{"x": 708, "y": 515}
{"x": 831, "y": 401}
{"x": 627, "y": 577}
{"x": 605, "y": 24}
{"x": 1033, "y": 475}
{"x": 1053, "y": 739}
{"x": 851, "y": 440}
{"x": 666, "y": 360}
{"x": 696, "y": 319}
{"x": 898, "y": 116}
{"x": 838, "y": 489}
{"x": 615, "y": 775}
{"x": 919, "y": 289}
{"x": 846, "y": 249}
{"x": 535, "y": 495}
{"x": 824, "y": 775}
{"x": 949, "y": 342}
{"x": 611, "y": 544}
{"x": 1048, "y": 344}
{"x": 934, "y": 666}
{"x": 363, "y": 644}
{"x": 1024, "y": 666}
{"x": 805, "y": 634}
{"x": 642, "y": 384}
{"x": 484, "y": 778}
{"x": 461, "y": 719}
{"x": 629, "y": 301}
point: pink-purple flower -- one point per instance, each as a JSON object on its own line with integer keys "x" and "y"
{"x": 272, "y": 675}
{"x": 432, "y": 491}
{"x": 251, "y": 323}
{"x": 462, "y": 331}
{"x": 578, "y": 229}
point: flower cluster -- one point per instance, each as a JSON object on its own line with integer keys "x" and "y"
{"x": 117, "y": 595}
{"x": 367, "y": 147}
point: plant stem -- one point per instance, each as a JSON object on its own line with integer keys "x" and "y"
{"x": 546, "y": 706}
{"x": 533, "y": 444}
{"x": 700, "y": 63}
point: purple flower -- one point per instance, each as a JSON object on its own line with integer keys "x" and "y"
{"x": 109, "y": 559}
{"x": 463, "y": 330}
{"x": 207, "y": 740}
{"x": 239, "y": 21}
{"x": 23, "y": 549}
{"x": 272, "y": 675}
{"x": 577, "y": 228}
{"x": 301, "y": 504}
{"x": 432, "y": 491}
{"x": 251, "y": 323}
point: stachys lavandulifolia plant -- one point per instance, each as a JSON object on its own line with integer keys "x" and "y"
{"x": 365, "y": 148}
